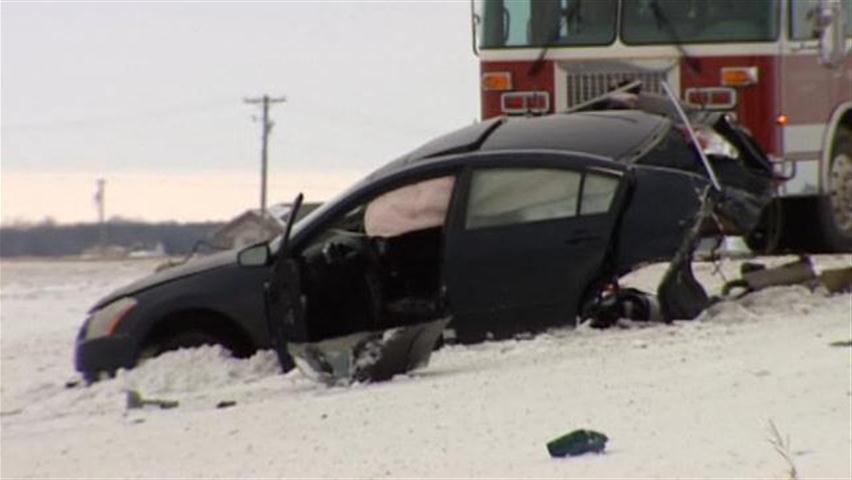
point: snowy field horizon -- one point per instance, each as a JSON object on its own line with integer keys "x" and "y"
{"x": 693, "y": 399}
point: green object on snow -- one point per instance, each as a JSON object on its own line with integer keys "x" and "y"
{"x": 577, "y": 442}
{"x": 135, "y": 400}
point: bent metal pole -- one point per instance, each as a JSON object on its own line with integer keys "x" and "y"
{"x": 710, "y": 172}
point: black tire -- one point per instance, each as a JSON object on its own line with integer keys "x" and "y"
{"x": 834, "y": 210}
{"x": 795, "y": 228}
{"x": 766, "y": 237}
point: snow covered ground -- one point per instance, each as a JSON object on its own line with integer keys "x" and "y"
{"x": 692, "y": 399}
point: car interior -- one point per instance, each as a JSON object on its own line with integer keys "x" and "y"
{"x": 379, "y": 265}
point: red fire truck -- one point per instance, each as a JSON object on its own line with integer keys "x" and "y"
{"x": 783, "y": 68}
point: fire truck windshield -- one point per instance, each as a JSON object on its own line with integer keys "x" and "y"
{"x": 698, "y": 21}
{"x": 539, "y": 23}
{"x": 554, "y": 23}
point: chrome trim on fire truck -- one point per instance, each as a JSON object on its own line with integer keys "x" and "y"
{"x": 576, "y": 82}
{"x": 804, "y": 178}
{"x": 619, "y": 50}
{"x": 800, "y": 138}
{"x": 803, "y": 146}
{"x": 802, "y": 156}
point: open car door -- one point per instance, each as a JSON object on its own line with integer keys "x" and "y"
{"x": 358, "y": 299}
{"x": 282, "y": 294}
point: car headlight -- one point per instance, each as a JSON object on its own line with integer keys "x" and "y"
{"x": 104, "y": 320}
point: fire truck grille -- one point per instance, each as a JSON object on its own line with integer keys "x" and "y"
{"x": 586, "y": 86}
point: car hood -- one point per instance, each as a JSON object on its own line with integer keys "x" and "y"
{"x": 192, "y": 267}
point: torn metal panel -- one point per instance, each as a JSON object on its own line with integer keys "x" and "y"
{"x": 368, "y": 356}
{"x": 681, "y": 295}
{"x": 756, "y": 276}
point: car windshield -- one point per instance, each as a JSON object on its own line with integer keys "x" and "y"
{"x": 539, "y": 23}
{"x": 698, "y": 21}
{"x": 316, "y": 213}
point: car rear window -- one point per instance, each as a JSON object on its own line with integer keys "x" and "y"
{"x": 673, "y": 151}
{"x": 598, "y": 191}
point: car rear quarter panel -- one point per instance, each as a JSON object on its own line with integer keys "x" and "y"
{"x": 660, "y": 210}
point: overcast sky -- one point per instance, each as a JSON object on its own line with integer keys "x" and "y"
{"x": 149, "y": 96}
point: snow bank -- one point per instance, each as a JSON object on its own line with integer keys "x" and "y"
{"x": 690, "y": 399}
{"x": 197, "y": 369}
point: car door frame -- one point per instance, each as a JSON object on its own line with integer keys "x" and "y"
{"x": 573, "y": 161}
{"x": 295, "y": 327}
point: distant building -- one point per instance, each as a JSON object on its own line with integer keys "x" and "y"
{"x": 251, "y": 226}
{"x": 139, "y": 250}
{"x": 105, "y": 252}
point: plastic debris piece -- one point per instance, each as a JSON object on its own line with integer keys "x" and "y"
{"x": 757, "y": 276}
{"x": 226, "y": 404}
{"x": 577, "y": 442}
{"x": 135, "y": 400}
{"x": 9, "y": 413}
{"x": 836, "y": 280}
{"x": 370, "y": 356}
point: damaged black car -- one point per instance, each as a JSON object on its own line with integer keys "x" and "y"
{"x": 508, "y": 226}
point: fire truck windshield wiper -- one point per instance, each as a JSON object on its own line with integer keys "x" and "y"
{"x": 552, "y": 36}
{"x": 664, "y": 21}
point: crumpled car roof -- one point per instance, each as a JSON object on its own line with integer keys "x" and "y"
{"x": 618, "y": 134}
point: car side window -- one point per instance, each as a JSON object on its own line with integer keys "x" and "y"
{"x": 412, "y": 207}
{"x": 598, "y": 192}
{"x": 508, "y": 196}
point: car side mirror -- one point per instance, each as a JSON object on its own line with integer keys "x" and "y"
{"x": 254, "y": 256}
{"x": 829, "y": 23}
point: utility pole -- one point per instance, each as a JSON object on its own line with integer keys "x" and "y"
{"x": 100, "y": 201}
{"x": 264, "y": 101}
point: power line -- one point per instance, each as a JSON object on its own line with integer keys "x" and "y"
{"x": 264, "y": 101}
